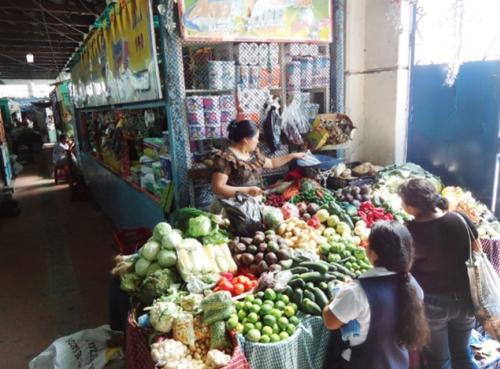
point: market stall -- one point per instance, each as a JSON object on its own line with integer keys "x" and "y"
{"x": 255, "y": 297}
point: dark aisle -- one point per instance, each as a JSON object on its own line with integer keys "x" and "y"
{"x": 56, "y": 258}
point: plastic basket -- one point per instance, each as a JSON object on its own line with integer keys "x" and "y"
{"x": 128, "y": 241}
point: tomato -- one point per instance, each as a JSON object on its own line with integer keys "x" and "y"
{"x": 253, "y": 284}
{"x": 226, "y": 286}
{"x": 238, "y": 289}
{"x": 227, "y": 275}
{"x": 217, "y": 289}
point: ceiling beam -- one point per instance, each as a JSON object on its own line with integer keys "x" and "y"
{"x": 19, "y": 23}
{"x": 30, "y": 5}
{"x": 6, "y": 29}
{"x": 27, "y": 17}
{"x": 27, "y": 46}
{"x": 36, "y": 38}
{"x": 43, "y": 52}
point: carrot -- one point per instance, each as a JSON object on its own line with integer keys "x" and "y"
{"x": 291, "y": 191}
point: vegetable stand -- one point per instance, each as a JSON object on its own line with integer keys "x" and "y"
{"x": 267, "y": 288}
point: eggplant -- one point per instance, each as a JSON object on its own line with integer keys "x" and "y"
{"x": 247, "y": 258}
{"x": 282, "y": 254}
{"x": 259, "y": 257}
{"x": 252, "y": 249}
{"x": 271, "y": 258}
{"x": 241, "y": 248}
{"x": 263, "y": 247}
{"x": 262, "y": 267}
{"x": 275, "y": 268}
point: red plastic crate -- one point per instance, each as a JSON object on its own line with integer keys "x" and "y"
{"x": 128, "y": 241}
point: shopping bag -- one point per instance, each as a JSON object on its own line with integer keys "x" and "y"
{"x": 484, "y": 288}
{"x": 244, "y": 214}
{"x": 85, "y": 350}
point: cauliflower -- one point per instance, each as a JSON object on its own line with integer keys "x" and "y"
{"x": 168, "y": 352}
{"x": 191, "y": 302}
{"x": 217, "y": 359}
{"x": 162, "y": 316}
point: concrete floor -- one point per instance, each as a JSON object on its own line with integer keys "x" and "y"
{"x": 54, "y": 269}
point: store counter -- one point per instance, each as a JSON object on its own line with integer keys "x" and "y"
{"x": 126, "y": 205}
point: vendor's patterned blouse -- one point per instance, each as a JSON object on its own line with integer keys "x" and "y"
{"x": 240, "y": 172}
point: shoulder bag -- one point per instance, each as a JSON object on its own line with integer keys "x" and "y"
{"x": 484, "y": 287}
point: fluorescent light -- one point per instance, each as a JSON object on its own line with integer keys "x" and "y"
{"x": 30, "y": 58}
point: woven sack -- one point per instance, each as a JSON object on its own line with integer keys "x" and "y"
{"x": 137, "y": 349}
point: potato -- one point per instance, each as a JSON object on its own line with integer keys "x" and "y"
{"x": 288, "y": 235}
{"x": 297, "y": 231}
{"x": 282, "y": 229}
{"x": 294, "y": 239}
{"x": 290, "y": 227}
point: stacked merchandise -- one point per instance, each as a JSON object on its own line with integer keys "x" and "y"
{"x": 209, "y": 116}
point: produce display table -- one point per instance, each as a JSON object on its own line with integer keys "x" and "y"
{"x": 306, "y": 349}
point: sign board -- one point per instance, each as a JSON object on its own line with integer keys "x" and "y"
{"x": 118, "y": 63}
{"x": 256, "y": 20}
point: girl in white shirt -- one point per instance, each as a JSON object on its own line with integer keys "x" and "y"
{"x": 384, "y": 304}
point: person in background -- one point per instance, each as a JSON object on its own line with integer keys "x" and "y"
{"x": 382, "y": 312}
{"x": 61, "y": 151}
{"x": 239, "y": 167}
{"x": 441, "y": 248}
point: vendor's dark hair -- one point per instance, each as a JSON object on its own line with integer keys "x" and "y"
{"x": 62, "y": 137}
{"x": 238, "y": 130}
{"x": 393, "y": 244}
{"x": 421, "y": 194}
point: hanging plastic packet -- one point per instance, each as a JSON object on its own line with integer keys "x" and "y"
{"x": 309, "y": 160}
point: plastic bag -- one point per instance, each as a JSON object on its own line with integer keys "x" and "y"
{"x": 273, "y": 217}
{"x": 290, "y": 211}
{"x": 85, "y": 349}
{"x": 272, "y": 125}
{"x": 485, "y": 293}
{"x": 219, "y": 339}
{"x": 183, "y": 330}
{"x": 244, "y": 213}
{"x": 294, "y": 122}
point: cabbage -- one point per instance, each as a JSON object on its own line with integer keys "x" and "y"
{"x": 161, "y": 230}
{"x": 153, "y": 268}
{"x": 273, "y": 217}
{"x": 191, "y": 244}
{"x": 199, "y": 226}
{"x": 167, "y": 258}
{"x": 150, "y": 250}
{"x": 172, "y": 240}
{"x": 141, "y": 267}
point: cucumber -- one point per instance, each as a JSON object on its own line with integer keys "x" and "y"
{"x": 310, "y": 307}
{"x": 315, "y": 266}
{"x": 314, "y": 277}
{"x": 320, "y": 297}
{"x": 298, "y": 296}
{"x": 299, "y": 270}
{"x": 286, "y": 264}
{"x": 288, "y": 291}
{"x": 297, "y": 283}
{"x": 323, "y": 286}
{"x": 308, "y": 294}
{"x": 310, "y": 285}
{"x": 344, "y": 270}
{"x": 332, "y": 268}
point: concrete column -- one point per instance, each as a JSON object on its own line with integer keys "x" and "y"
{"x": 377, "y": 91}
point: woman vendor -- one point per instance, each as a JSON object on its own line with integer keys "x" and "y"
{"x": 239, "y": 167}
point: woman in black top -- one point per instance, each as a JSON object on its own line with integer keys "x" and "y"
{"x": 441, "y": 248}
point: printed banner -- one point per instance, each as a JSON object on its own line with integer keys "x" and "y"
{"x": 256, "y": 20}
{"x": 118, "y": 63}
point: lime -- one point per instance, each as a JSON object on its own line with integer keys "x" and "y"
{"x": 294, "y": 305}
{"x": 279, "y": 296}
{"x": 269, "y": 302}
{"x": 294, "y": 320}
{"x": 269, "y": 294}
{"x": 257, "y": 301}
{"x": 248, "y": 327}
{"x": 250, "y": 298}
{"x": 240, "y": 305}
{"x": 242, "y": 314}
{"x": 248, "y": 305}
{"x": 267, "y": 330}
{"x": 255, "y": 308}
{"x": 276, "y": 328}
{"x": 265, "y": 309}
{"x": 275, "y": 338}
{"x": 240, "y": 328}
{"x": 258, "y": 326}
{"x": 232, "y": 323}
{"x": 290, "y": 329}
{"x": 276, "y": 313}
{"x": 253, "y": 335}
{"x": 289, "y": 311}
{"x": 284, "y": 336}
{"x": 265, "y": 339}
{"x": 244, "y": 321}
{"x": 259, "y": 295}
{"x": 233, "y": 316}
{"x": 269, "y": 320}
{"x": 253, "y": 317}
{"x": 279, "y": 305}
{"x": 283, "y": 323}
{"x": 285, "y": 299}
